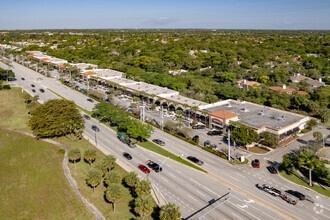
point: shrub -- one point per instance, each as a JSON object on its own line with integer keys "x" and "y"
{"x": 305, "y": 130}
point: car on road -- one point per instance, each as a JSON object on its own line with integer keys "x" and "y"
{"x": 33, "y": 85}
{"x": 42, "y": 90}
{"x": 297, "y": 194}
{"x": 33, "y": 90}
{"x": 95, "y": 128}
{"x": 90, "y": 100}
{"x": 154, "y": 166}
{"x": 198, "y": 127}
{"x": 144, "y": 168}
{"x": 207, "y": 143}
{"x": 87, "y": 117}
{"x": 195, "y": 138}
{"x": 214, "y": 132}
{"x": 256, "y": 163}
{"x": 159, "y": 142}
{"x": 195, "y": 160}
{"x": 22, "y": 78}
{"x": 272, "y": 169}
{"x": 127, "y": 156}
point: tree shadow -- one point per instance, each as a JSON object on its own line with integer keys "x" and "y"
{"x": 302, "y": 141}
{"x": 155, "y": 214}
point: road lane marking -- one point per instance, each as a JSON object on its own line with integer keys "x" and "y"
{"x": 234, "y": 178}
{"x": 192, "y": 198}
{"x": 204, "y": 187}
{"x": 271, "y": 159}
{"x": 255, "y": 217}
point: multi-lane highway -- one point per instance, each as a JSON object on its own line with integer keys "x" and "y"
{"x": 186, "y": 187}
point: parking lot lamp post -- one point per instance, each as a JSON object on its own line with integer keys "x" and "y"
{"x": 228, "y": 144}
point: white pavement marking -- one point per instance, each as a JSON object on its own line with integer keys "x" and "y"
{"x": 204, "y": 187}
{"x": 262, "y": 211}
{"x": 164, "y": 179}
{"x": 192, "y": 198}
{"x": 234, "y": 178}
{"x": 178, "y": 171}
{"x": 237, "y": 217}
{"x": 201, "y": 193}
{"x": 171, "y": 175}
{"x": 255, "y": 217}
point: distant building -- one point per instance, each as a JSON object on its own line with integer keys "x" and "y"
{"x": 283, "y": 89}
{"x": 314, "y": 84}
{"x": 245, "y": 84}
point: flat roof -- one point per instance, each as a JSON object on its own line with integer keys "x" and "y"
{"x": 256, "y": 116}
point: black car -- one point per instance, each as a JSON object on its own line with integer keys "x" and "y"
{"x": 215, "y": 132}
{"x": 33, "y": 90}
{"x": 41, "y": 90}
{"x": 87, "y": 117}
{"x": 195, "y": 160}
{"x": 90, "y": 100}
{"x": 127, "y": 155}
{"x": 33, "y": 85}
{"x": 198, "y": 127}
{"x": 297, "y": 194}
{"x": 95, "y": 128}
{"x": 158, "y": 141}
{"x": 22, "y": 78}
{"x": 195, "y": 138}
{"x": 272, "y": 169}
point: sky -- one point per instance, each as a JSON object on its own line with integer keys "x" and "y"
{"x": 165, "y": 14}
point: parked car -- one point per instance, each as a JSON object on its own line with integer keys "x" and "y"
{"x": 158, "y": 141}
{"x": 256, "y": 163}
{"x": 33, "y": 90}
{"x": 207, "y": 143}
{"x": 90, "y": 100}
{"x": 87, "y": 117}
{"x": 127, "y": 156}
{"x": 22, "y": 78}
{"x": 297, "y": 194}
{"x": 272, "y": 169}
{"x": 42, "y": 90}
{"x": 198, "y": 127}
{"x": 33, "y": 85}
{"x": 195, "y": 160}
{"x": 195, "y": 138}
{"x": 144, "y": 168}
{"x": 214, "y": 132}
{"x": 95, "y": 128}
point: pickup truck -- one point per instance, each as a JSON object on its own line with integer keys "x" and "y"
{"x": 154, "y": 166}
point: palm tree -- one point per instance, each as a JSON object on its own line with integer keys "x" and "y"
{"x": 318, "y": 136}
{"x": 74, "y": 155}
{"x": 308, "y": 159}
{"x": 195, "y": 108}
{"x": 94, "y": 177}
{"x": 112, "y": 177}
{"x": 170, "y": 212}
{"x": 143, "y": 188}
{"x": 131, "y": 179}
{"x": 90, "y": 156}
{"x": 109, "y": 162}
{"x": 144, "y": 205}
{"x": 113, "y": 194}
{"x": 179, "y": 116}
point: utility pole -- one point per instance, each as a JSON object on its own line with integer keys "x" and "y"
{"x": 161, "y": 118}
{"x": 228, "y": 144}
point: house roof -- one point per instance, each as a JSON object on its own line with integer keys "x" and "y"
{"x": 31, "y": 55}
{"x": 61, "y": 65}
{"x": 223, "y": 114}
{"x": 89, "y": 73}
{"x": 44, "y": 59}
{"x": 248, "y": 83}
{"x": 302, "y": 93}
{"x": 280, "y": 89}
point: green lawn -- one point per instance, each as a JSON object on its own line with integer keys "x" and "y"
{"x": 155, "y": 148}
{"x": 299, "y": 180}
{"x": 32, "y": 183}
{"x": 13, "y": 112}
{"x": 258, "y": 150}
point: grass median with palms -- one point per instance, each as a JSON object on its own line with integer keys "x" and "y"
{"x": 35, "y": 186}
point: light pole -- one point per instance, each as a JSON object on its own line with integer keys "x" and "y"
{"x": 87, "y": 85}
{"x": 228, "y": 144}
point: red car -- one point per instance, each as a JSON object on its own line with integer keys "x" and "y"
{"x": 256, "y": 163}
{"x": 144, "y": 168}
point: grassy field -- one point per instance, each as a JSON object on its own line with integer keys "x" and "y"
{"x": 32, "y": 183}
{"x": 13, "y": 113}
{"x": 155, "y": 148}
{"x": 258, "y": 150}
{"x": 297, "y": 179}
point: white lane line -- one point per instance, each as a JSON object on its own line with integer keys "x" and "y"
{"x": 192, "y": 198}
{"x": 204, "y": 187}
{"x": 234, "y": 178}
{"x": 178, "y": 171}
{"x": 171, "y": 175}
{"x": 255, "y": 217}
{"x": 164, "y": 179}
{"x": 201, "y": 193}
{"x": 262, "y": 212}
{"x": 237, "y": 217}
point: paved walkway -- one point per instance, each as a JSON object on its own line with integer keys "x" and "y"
{"x": 98, "y": 215}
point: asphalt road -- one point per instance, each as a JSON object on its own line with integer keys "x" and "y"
{"x": 188, "y": 188}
